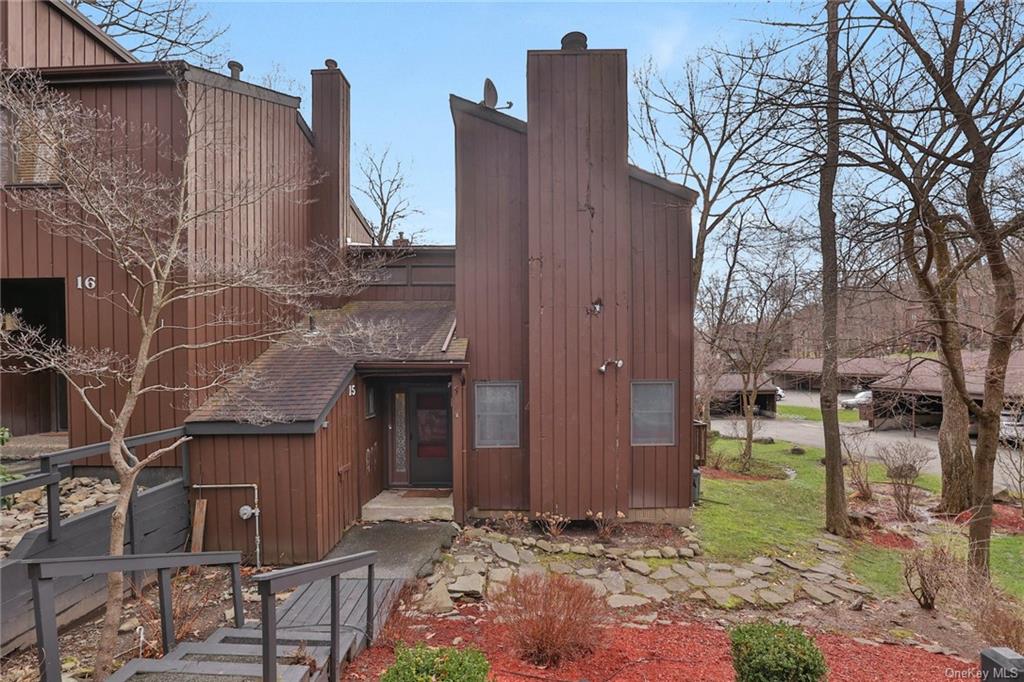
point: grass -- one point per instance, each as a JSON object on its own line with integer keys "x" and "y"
{"x": 813, "y": 414}
{"x": 739, "y": 520}
{"x": 757, "y": 467}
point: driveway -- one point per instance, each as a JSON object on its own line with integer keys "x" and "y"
{"x": 810, "y": 433}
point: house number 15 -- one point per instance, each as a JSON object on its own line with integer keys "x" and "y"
{"x": 88, "y": 282}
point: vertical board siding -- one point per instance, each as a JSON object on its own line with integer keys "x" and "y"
{"x": 490, "y": 295}
{"x": 578, "y": 216}
{"x": 34, "y": 34}
{"x": 424, "y": 276}
{"x": 662, "y": 337}
{"x": 30, "y": 250}
{"x": 284, "y": 468}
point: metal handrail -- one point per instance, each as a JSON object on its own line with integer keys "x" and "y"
{"x": 286, "y": 578}
{"x": 43, "y": 571}
{"x": 54, "y": 466}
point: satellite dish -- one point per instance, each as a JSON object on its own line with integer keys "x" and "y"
{"x": 490, "y": 94}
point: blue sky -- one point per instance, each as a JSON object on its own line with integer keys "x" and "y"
{"x": 403, "y": 59}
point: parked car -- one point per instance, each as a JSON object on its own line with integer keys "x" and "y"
{"x": 779, "y": 394}
{"x": 862, "y": 398}
{"x": 1011, "y": 426}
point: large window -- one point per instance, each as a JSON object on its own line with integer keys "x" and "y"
{"x": 653, "y": 413}
{"x": 497, "y": 414}
{"x": 26, "y": 156}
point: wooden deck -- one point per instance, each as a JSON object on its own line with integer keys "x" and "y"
{"x": 308, "y": 608}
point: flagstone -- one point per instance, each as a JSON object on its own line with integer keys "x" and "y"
{"x": 652, "y": 590}
{"x": 816, "y": 593}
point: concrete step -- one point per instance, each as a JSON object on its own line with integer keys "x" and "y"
{"x": 402, "y": 505}
{"x": 166, "y": 670}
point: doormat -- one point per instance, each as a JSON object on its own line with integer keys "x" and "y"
{"x": 426, "y": 493}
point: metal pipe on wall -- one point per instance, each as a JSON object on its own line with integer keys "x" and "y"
{"x": 255, "y": 507}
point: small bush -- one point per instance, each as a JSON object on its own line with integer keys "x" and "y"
{"x": 552, "y": 618}
{"x": 903, "y": 463}
{"x": 927, "y": 572}
{"x": 762, "y": 652}
{"x": 552, "y": 525}
{"x": 606, "y": 527}
{"x": 425, "y": 664}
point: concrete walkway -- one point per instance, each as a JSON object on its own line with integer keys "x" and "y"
{"x": 403, "y": 549}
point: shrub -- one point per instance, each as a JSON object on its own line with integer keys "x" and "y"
{"x": 515, "y": 523}
{"x": 926, "y": 572}
{"x": 552, "y": 525}
{"x": 551, "y": 618}
{"x": 763, "y": 652}
{"x": 425, "y": 664}
{"x": 903, "y": 462}
{"x": 855, "y": 447}
{"x": 995, "y": 615}
{"x": 606, "y": 527}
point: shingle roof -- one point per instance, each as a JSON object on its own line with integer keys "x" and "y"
{"x": 924, "y": 376}
{"x": 853, "y": 367}
{"x": 299, "y": 380}
{"x": 733, "y": 383}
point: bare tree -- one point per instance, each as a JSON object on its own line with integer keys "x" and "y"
{"x": 744, "y": 311}
{"x": 720, "y": 128}
{"x": 837, "y": 520}
{"x": 708, "y": 368}
{"x": 143, "y": 223}
{"x": 1011, "y": 454}
{"x": 934, "y": 109}
{"x": 158, "y": 30}
{"x": 385, "y": 185}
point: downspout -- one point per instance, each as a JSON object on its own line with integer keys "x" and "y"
{"x": 243, "y": 512}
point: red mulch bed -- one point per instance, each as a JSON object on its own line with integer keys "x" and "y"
{"x": 1005, "y": 517}
{"x": 889, "y": 539}
{"x": 670, "y": 652}
{"x": 726, "y": 475}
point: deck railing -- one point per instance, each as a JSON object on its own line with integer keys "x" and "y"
{"x": 287, "y": 578}
{"x": 43, "y": 572}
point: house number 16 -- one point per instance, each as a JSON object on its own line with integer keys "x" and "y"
{"x": 88, "y": 282}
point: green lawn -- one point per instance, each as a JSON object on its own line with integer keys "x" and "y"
{"x": 739, "y": 520}
{"x": 813, "y": 414}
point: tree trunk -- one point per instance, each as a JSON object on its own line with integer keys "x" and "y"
{"x": 107, "y": 645}
{"x": 748, "y": 440}
{"x": 980, "y": 529}
{"x": 955, "y": 451}
{"x": 836, "y": 519}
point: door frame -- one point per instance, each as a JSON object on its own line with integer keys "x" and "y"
{"x": 413, "y": 431}
{"x": 394, "y": 480}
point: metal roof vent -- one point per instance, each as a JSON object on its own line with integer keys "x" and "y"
{"x": 236, "y": 69}
{"x": 331, "y": 64}
{"x": 574, "y": 41}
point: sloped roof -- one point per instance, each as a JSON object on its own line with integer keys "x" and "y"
{"x": 292, "y": 386}
{"x": 733, "y": 383}
{"x": 853, "y": 367}
{"x": 924, "y": 376}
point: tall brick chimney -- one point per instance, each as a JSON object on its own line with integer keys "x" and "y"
{"x": 332, "y": 139}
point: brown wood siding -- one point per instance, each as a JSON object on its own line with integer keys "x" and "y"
{"x": 242, "y": 138}
{"x": 36, "y": 34}
{"x": 371, "y": 446}
{"x": 662, "y": 337}
{"x": 578, "y": 245}
{"x": 285, "y": 469}
{"x": 422, "y": 276}
{"x": 490, "y": 302}
{"x": 30, "y": 251}
{"x": 336, "y": 478}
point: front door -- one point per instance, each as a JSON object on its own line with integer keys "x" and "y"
{"x": 430, "y": 437}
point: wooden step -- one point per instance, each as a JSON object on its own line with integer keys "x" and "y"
{"x": 351, "y": 642}
{"x": 164, "y": 670}
{"x": 247, "y": 653}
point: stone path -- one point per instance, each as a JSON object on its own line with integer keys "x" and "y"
{"x": 483, "y": 562}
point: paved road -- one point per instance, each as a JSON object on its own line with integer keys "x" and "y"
{"x": 810, "y": 433}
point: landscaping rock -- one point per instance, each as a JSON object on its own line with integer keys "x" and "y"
{"x": 828, "y": 569}
{"x": 684, "y": 570}
{"x": 762, "y": 561}
{"x": 829, "y": 547}
{"x": 579, "y": 549}
{"x": 699, "y": 581}
{"x": 641, "y": 567}
{"x": 636, "y": 554}
{"x": 531, "y": 569}
{"x": 622, "y": 601}
{"x": 652, "y": 591}
{"x": 758, "y": 570}
{"x": 505, "y": 552}
{"x": 586, "y": 572}
{"x": 719, "y": 567}
{"x": 838, "y": 593}
{"x": 686, "y": 552}
{"x": 852, "y": 587}
{"x": 526, "y": 556}
{"x": 500, "y": 575}
{"x": 797, "y": 450}
{"x": 678, "y": 584}
{"x": 791, "y": 564}
{"x": 721, "y": 579}
{"x": 614, "y": 582}
{"x": 597, "y": 586}
{"x": 668, "y": 552}
{"x": 652, "y": 554}
{"x": 816, "y": 577}
{"x": 747, "y": 594}
{"x": 772, "y": 598}
{"x": 663, "y": 573}
{"x": 468, "y": 586}
{"x": 545, "y": 546}
{"x": 743, "y": 574}
{"x": 436, "y": 601}
{"x": 131, "y": 624}
{"x": 558, "y": 567}
{"x": 468, "y": 567}
{"x": 816, "y": 593}
{"x": 720, "y": 596}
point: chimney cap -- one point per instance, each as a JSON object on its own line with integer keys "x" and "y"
{"x": 236, "y": 69}
{"x": 331, "y": 64}
{"x": 574, "y": 41}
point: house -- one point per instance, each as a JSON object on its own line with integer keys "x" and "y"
{"x": 60, "y": 284}
{"x": 910, "y": 397}
{"x": 542, "y": 364}
{"x": 727, "y": 397}
{"x": 854, "y": 373}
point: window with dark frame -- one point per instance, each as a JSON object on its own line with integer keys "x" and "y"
{"x": 496, "y": 414}
{"x": 27, "y": 158}
{"x": 371, "y": 402}
{"x": 653, "y": 413}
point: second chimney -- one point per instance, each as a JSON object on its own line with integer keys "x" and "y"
{"x": 331, "y": 142}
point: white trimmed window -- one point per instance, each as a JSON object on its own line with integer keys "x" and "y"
{"x": 653, "y": 413}
{"x": 496, "y": 408}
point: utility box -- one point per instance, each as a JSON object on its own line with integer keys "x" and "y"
{"x": 1000, "y": 663}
